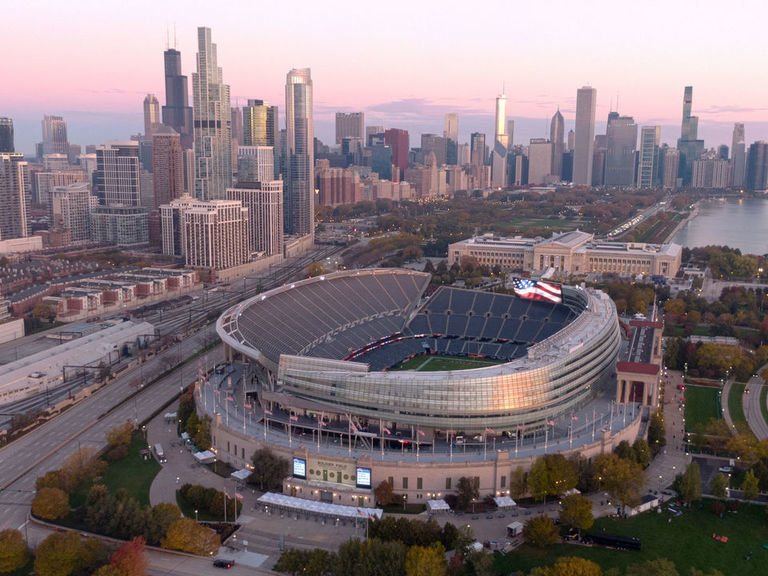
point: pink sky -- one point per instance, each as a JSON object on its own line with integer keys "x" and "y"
{"x": 404, "y": 63}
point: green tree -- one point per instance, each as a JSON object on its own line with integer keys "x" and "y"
{"x": 315, "y": 269}
{"x": 58, "y": 554}
{"x": 50, "y": 504}
{"x": 188, "y": 536}
{"x": 622, "y": 479}
{"x": 569, "y": 566}
{"x": 656, "y": 434}
{"x": 120, "y": 435}
{"x": 749, "y": 486}
{"x": 642, "y": 452}
{"x": 202, "y": 437}
{"x": 14, "y": 552}
{"x": 479, "y": 563}
{"x": 466, "y": 492}
{"x": 576, "y": 512}
{"x": 690, "y": 483}
{"x": 268, "y": 469}
{"x": 538, "y": 480}
{"x": 657, "y": 567}
{"x": 384, "y": 493}
{"x": 718, "y": 485}
{"x": 624, "y": 450}
{"x": 540, "y": 531}
{"x": 159, "y": 519}
{"x": 426, "y": 561}
{"x": 518, "y": 483}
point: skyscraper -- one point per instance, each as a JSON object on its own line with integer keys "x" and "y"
{"x": 451, "y": 130}
{"x": 212, "y": 123}
{"x": 647, "y": 165}
{"x": 738, "y": 155}
{"x": 398, "y": 141}
{"x": 539, "y": 161}
{"x": 260, "y": 124}
{"x": 621, "y": 143}
{"x": 689, "y": 146}
{"x": 757, "y": 166}
{"x": 116, "y": 177}
{"x": 477, "y": 158}
{"x": 349, "y": 125}
{"x": 70, "y": 208}
{"x": 500, "y": 144}
{"x": 13, "y": 197}
{"x": 584, "y": 139}
{"x": 255, "y": 164}
{"x": 557, "y": 137}
{"x": 6, "y": 136}
{"x": 299, "y": 202}
{"x": 167, "y": 166}
{"x": 177, "y": 113}
{"x": 55, "y": 135}
{"x": 151, "y": 115}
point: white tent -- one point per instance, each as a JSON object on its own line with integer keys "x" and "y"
{"x": 437, "y": 506}
{"x": 205, "y": 457}
{"x": 337, "y": 510}
{"x": 504, "y": 502}
{"x": 241, "y": 474}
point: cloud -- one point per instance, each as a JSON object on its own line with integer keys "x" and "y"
{"x": 730, "y": 109}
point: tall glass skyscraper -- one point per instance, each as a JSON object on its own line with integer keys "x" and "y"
{"x": 299, "y": 201}
{"x": 212, "y": 123}
{"x": 689, "y": 145}
{"x": 557, "y": 137}
{"x": 584, "y": 140}
{"x": 647, "y": 165}
{"x": 6, "y": 135}
{"x": 738, "y": 154}
{"x": 55, "y": 135}
{"x": 177, "y": 113}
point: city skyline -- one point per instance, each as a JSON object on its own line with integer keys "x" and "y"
{"x": 399, "y": 86}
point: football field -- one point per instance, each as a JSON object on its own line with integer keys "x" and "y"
{"x": 435, "y": 363}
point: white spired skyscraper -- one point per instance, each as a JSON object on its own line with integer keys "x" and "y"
{"x": 299, "y": 201}
{"x": 212, "y": 123}
{"x": 584, "y": 140}
{"x": 738, "y": 155}
{"x": 500, "y": 144}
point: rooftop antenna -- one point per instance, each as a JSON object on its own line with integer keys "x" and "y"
{"x": 167, "y": 38}
{"x": 174, "y": 35}
{"x": 617, "y": 101}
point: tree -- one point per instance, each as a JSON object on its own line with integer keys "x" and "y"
{"x": 315, "y": 269}
{"x": 466, "y": 492}
{"x": 642, "y": 452}
{"x": 479, "y": 563}
{"x": 82, "y": 467}
{"x": 690, "y": 483}
{"x": 576, "y": 512}
{"x": 14, "y": 552}
{"x": 120, "y": 435}
{"x": 58, "y": 554}
{"x": 268, "y": 469}
{"x": 657, "y": 567}
{"x": 718, "y": 485}
{"x": 540, "y": 531}
{"x": 426, "y": 560}
{"x": 129, "y": 559}
{"x": 569, "y": 566}
{"x": 656, "y": 434}
{"x": 624, "y": 450}
{"x": 50, "y": 504}
{"x": 159, "y": 519}
{"x": 538, "y": 480}
{"x": 622, "y": 479}
{"x": 383, "y": 493}
{"x": 52, "y": 479}
{"x": 202, "y": 436}
{"x": 517, "y": 483}
{"x": 750, "y": 486}
{"x": 188, "y": 536}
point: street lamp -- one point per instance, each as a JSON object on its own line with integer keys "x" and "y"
{"x": 195, "y": 514}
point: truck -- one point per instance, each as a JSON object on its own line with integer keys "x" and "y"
{"x": 159, "y": 453}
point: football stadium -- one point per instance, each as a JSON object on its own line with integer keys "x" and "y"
{"x": 367, "y": 370}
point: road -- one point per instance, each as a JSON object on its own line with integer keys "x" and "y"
{"x": 751, "y": 404}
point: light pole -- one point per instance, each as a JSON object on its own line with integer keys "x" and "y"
{"x": 196, "y": 515}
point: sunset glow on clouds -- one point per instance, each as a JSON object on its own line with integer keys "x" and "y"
{"x": 403, "y": 63}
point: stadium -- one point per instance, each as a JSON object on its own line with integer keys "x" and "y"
{"x": 368, "y": 353}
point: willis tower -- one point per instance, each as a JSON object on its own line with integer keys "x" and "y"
{"x": 177, "y": 113}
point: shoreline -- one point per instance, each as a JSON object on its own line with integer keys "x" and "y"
{"x": 691, "y": 215}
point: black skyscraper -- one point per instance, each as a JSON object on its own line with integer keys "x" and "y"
{"x": 6, "y": 135}
{"x": 177, "y": 113}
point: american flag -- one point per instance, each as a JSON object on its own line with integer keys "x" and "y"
{"x": 540, "y": 290}
{"x": 490, "y": 431}
{"x": 551, "y": 423}
{"x": 386, "y": 431}
{"x": 268, "y": 412}
{"x": 294, "y": 418}
{"x": 421, "y": 433}
{"x": 352, "y": 427}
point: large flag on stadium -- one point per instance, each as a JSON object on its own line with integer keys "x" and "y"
{"x": 540, "y": 290}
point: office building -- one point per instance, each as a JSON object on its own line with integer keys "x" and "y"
{"x": 151, "y": 115}
{"x": 264, "y": 201}
{"x": 584, "y": 137}
{"x": 70, "y": 210}
{"x": 255, "y": 164}
{"x": 116, "y": 179}
{"x": 498, "y": 159}
{"x": 53, "y": 162}
{"x": 757, "y": 166}
{"x": 212, "y": 122}
{"x": 167, "y": 166}
{"x": 6, "y": 136}
{"x": 14, "y": 179}
{"x": 397, "y": 140}
{"x": 689, "y": 146}
{"x": 54, "y": 135}
{"x": 738, "y": 155}
{"x": 621, "y": 143}
{"x": 372, "y": 131}
{"x": 477, "y": 159}
{"x": 437, "y": 145}
{"x": 451, "y": 129}
{"x": 381, "y": 160}
{"x": 236, "y": 122}
{"x": 557, "y": 137}
{"x": 124, "y": 226}
{"x": 177, "y": 113}
{"x": 669, "y": 164}
{"x": 260, "y": 124}
{"x": 648, "y": 159}
{"x": 216, "y": 234}
{"x": 349, "y": 125}
{"x": 299, "y": 197}
{"x": 539, "y": 161}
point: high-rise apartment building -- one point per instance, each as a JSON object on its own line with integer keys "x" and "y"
{"x": 711, "y": 173}
{"x": 436, "y": 144}
{"x": 738, "y": 155}
{"x": 216, "y": 234}
{"x": 6, "y": 136}
{"x": 167, "y": 166}
{"x": 557, "y": 137}
{"x": 177, "y": 113}
{"x": 55, "y": 135}
{"x": 120, "y": 225}
{"x": 539, "y": 161}
{"x": 689, "y": 146}
{"x": 260, "y": 124}
{"x": 14, "y": 177}
{"x": 299, "y": 201}
{"x": 349, "y": 125}
{"x": 44, "y": 182}
{"x": 255, "y": 164}
{"x": 116, "y": 179}
{"x": 669, "y": 165}
{"x": 70, "y": 210}
{"x": 337, "y": 186}
{"x": 647, "y": 164}
{"x": 398, "y": 141}
{"x": 151, "y": 115}
{"x": 621, "y": 143}
{"x": 212, "y": 123}
{"x": 757, "y": 166}
{"x": 264, "y": 201}
{"x": 584, "y": 138}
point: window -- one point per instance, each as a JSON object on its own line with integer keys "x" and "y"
{"x": 503, "y": 482}
{"x": 391, "y": 481}
{"x": 405, "y": 483}
{"x": 447, "y": 483}
{"x": 418, "y": 483}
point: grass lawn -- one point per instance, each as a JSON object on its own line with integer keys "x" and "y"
{"x": 687, "y": 541}
{"x": 133, "y": 472}
{"x": 700, "y": 405}
{"x": 434, "y": 363}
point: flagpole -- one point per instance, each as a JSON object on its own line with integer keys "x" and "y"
{"x": 485, "y": 443}
{"x": 381, "y": 438}
{"x": 450, "y": 444}
{"x": 417, "y": 443}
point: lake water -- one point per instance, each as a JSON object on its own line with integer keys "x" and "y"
{"x": 738, "y": 223}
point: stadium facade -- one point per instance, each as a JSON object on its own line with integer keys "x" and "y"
{"x": 321, "y": 355}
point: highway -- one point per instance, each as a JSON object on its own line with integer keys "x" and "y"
{"x": 751, "y": 404}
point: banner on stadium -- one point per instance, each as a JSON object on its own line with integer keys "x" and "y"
{"x": 549, "y": 291}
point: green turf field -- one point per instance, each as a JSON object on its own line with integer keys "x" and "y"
{"x": 434, "y": 363}
{"x": 701, "y": 404}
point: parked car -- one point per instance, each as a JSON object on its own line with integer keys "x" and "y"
{"x": 223, "y": 563}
